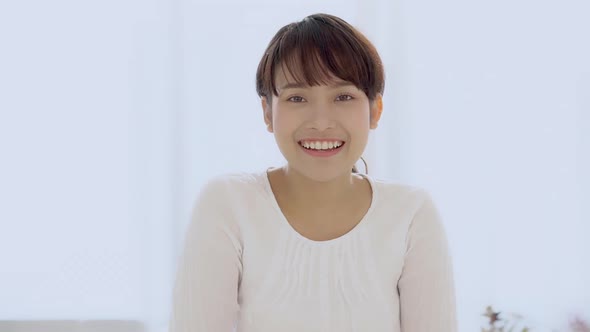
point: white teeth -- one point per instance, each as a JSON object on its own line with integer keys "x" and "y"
{"x": 321, "y": 145}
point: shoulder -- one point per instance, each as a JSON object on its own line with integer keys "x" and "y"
{"x": 222, "y": 199}
{"x": 225, "y": 186}
{"x": 413, "y": 206}
{"x": 403, "y": 195}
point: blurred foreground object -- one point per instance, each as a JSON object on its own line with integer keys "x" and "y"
{"x": 71, "y": 326}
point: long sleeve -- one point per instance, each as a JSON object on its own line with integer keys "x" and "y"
{"x": 205, "y": 296}
{"x": 426, "y": 286}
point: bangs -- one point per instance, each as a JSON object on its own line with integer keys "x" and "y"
{"x": 317, "y": 50}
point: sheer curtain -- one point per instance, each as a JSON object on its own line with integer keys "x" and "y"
{"x": 113, "y": 114}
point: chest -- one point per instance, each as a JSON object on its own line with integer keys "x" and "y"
{"x": 323, "y": 228}
{"x": 311, "y": 315}
{"x": 326, "y": 224}
{"x": 346, "y": 286}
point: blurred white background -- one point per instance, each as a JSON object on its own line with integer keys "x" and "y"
{"x": 114, "y": 113}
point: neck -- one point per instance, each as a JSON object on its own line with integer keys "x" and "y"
{"x": 305, "y": 192}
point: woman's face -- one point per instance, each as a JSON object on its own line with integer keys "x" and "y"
{"x": 321, "y": 130}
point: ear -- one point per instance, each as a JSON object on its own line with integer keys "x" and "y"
{"x": 376, "y": 110}
{"x": 267, "y": 113}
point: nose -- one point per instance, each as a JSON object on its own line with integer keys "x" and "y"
{"x": 321, "y": 117}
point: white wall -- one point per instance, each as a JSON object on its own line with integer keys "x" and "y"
{"x": 113, "y": 114}
{"x": 493, "y": 127}
{"x": 87, "y": 95}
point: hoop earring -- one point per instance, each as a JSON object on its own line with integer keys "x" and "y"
{"x": 366, "y": 166}
{"x": 355, "y": 169}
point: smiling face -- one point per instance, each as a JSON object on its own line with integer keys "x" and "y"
{"x": 321, "y": 83}
{"x": 321, "y": 130}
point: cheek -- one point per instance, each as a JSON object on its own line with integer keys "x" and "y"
{"x": 284, "y": 126}
{"x": 358, "y": 124}
{"x": 359, "y": 119}
{"x": 281, "y": 122}
{"x": 285, "y": 117}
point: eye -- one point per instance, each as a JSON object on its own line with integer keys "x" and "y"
{"x": 296, "y": 99}
{"x": 344, "y": 97}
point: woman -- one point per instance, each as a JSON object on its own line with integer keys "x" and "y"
{"x": 312, "y": 245}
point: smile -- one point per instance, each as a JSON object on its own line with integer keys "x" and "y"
{"x": 321, "y": 148}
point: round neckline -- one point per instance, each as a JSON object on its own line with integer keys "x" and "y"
{"x": 273, "y": 201}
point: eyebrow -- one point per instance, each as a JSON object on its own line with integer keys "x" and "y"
{"x": 303, "y": 85}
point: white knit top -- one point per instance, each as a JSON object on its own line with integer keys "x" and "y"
{"x": 244, "y": 267}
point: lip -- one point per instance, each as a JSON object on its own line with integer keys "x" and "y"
{"x": 322, "y": 153}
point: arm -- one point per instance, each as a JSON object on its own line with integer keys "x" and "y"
{"x": 205, "y": 294}
{"x": 426, "y": 286}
